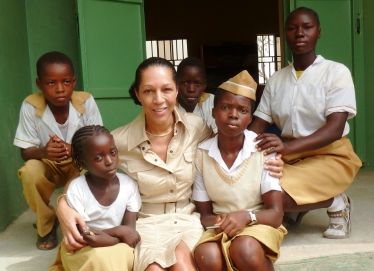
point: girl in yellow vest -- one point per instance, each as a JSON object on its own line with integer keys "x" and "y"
{"x": 233, "y": 190}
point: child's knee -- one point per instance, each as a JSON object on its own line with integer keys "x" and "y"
{"x": 208, "y": 255}
{"x": 247, "y": 251}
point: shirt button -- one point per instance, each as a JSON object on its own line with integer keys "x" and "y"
{"x": 143, "y": 148}
{"x": 175, "y": 222}
{"x": 176, "y": 131}
{"x": 171, "y": 151}
{"x": 148, "y": 142}
{"x": 171, "y": 191}
{"x": 155, "y": 160}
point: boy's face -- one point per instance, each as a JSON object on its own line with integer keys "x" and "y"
{"x": 191, "y": 85}
{"x": 302, "y": 32}
{"x": 57, "y": 83}
{"x": 232, "y": 114}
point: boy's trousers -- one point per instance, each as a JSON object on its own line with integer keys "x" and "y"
{"x": 39, "y": 180}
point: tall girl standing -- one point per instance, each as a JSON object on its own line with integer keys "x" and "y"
{"x": 310, "y": 101}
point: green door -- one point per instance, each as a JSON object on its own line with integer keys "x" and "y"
{"x": 112, "y": 44}
{"x": 341, "y": 41}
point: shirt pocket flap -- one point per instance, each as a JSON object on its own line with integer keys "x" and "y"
{"x": 189, "y": 156}
{"x": 138, "y": 166}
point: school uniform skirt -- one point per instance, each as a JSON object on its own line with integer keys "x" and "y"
{"x": 319, "y": 175}
{"x": 271, "y": 239}
{"x": 162, "y": 227}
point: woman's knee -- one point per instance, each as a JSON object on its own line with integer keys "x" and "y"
{"x": 208, "y": 256}
{"x": 247, "y": 251}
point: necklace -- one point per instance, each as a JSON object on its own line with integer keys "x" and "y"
{"x": 168, "y": 133}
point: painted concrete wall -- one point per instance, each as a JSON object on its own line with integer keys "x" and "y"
{"x": 14, "y": 84}
{"x": 368, "y": 23}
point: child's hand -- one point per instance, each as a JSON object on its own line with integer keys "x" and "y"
{"x": 99, "y": 239}
{"x": 57, "y": 149}
{"x": 128, "y": 235}
{"x": 232, "y": 223}
{"x": 271, "y": 143}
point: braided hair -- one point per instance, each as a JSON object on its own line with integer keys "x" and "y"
{"x": 80, "y": 138}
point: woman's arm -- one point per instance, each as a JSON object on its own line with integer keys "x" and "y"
{"x": 330, "y": 132}
{"x": 69, "y": 219}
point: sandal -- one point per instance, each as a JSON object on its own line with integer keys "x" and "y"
{"x": 49, "y": 241}
{"x": 292, "y": 220}
{"x": 345, "y": 227}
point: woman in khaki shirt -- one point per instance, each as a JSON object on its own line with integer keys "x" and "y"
{"x": 157, "y": 149}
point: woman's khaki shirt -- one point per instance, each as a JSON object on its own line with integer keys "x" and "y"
{"x": 161, "y": 182}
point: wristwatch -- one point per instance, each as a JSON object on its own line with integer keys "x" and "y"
{"x": 253, "y": 218}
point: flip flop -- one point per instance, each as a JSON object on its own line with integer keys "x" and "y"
{"x": 50, "y": 238}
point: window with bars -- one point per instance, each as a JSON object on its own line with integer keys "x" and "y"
{"x": 174, "y": 50}
{"x": 269, "y": 56}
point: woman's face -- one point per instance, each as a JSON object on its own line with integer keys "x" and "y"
{"x": 157, "y": 93}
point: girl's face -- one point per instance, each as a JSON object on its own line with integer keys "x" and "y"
{"x": 101, "y": 157}
{"x": 191, "y": 85}
{"x": 232, "y": 114}
{"x": 302, "y": 32}
{"x": 157, "y": 93}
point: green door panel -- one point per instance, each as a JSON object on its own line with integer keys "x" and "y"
{"x": 340, "y": 42}
{"x": 112, "y": 44}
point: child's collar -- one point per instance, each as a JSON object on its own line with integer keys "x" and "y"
{"x": 38, "y": 101}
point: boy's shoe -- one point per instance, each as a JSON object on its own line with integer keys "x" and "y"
{"x": 341, "y": 230}
{"x": 49, "y": 241}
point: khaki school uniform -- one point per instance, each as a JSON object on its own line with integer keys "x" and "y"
{"x": 41, "y": 177}
{"x": 167, "y": 216}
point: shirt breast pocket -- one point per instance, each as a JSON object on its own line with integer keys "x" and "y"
{"x": 189, "y": 166}
{"x": 146, "y": 175}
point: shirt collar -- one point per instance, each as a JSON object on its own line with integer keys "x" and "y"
{"x": 38, "y": 101}
{"x": 211, "y": 145}
{"x": 137, "y": 134}
{"x": 318, "y": 59}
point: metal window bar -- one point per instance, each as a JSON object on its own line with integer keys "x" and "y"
{"x": 269, "y": 59}
{"x": 174, "y": 50}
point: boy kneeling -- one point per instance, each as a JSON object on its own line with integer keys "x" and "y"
{"x": 233, "y": 191}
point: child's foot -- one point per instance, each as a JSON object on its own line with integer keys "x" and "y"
{"x": 49, "y": 241}
{"x": 340, "y": 222}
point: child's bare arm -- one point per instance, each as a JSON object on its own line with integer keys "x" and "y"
{"x": 100, "y": 239}
{"x": 207, "y": 217}
{"x": 258, "y": 125}
{"x": 126, "y": 232}
{"x": 330, "y": 132}
{"x": 55, "y": 150}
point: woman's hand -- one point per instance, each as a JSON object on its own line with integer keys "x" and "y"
{"x": 275, "y": 167}
{"x": 69, "y": 219}
{"x": 232, "y": 223}
{"x": 100, "y": 239}
{"x": 271, "y": 143}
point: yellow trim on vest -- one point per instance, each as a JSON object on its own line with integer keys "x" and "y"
{"x": 38, "y": 101}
